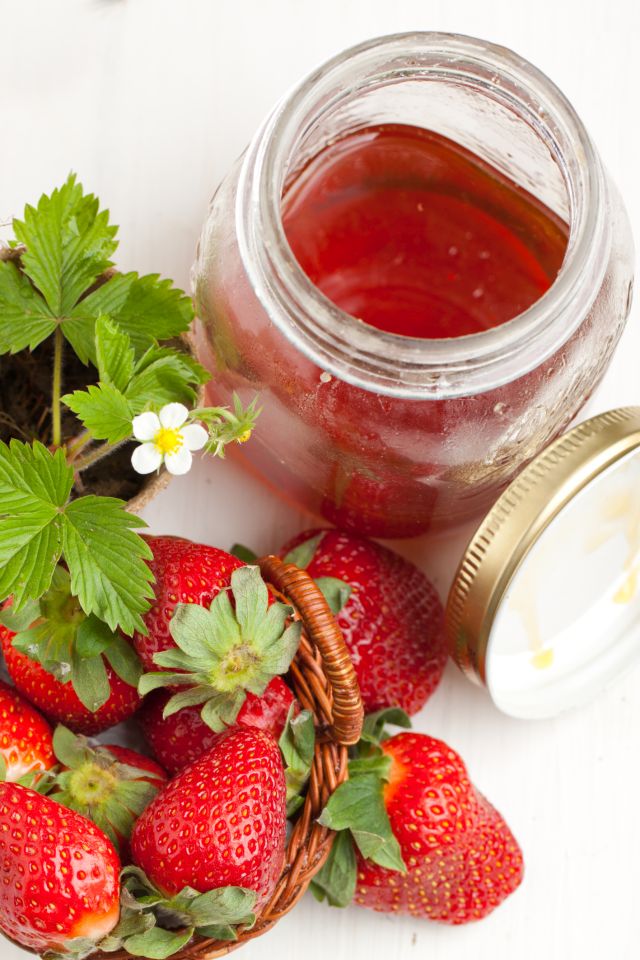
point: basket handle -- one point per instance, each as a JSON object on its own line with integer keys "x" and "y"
{"x": 321, "y": 628}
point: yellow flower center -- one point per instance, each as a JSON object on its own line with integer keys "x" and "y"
{"x": 244, "y": 436}
{"x": 168, "y": 440}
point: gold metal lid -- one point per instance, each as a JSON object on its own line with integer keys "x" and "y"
{"x": 590, "y": 457}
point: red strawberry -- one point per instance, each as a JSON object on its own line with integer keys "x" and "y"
{"x": 109, "y": 784}
{"x": 25, "y": 736}
{"x": 462, "y": 860}
{"x": 185, "y": 572}
{"x": 393, "y": 621}
{"x": 221, "y": 822}
{"x": 181, "y": 738}
{"x": 59, "y": 873}
{"x": 217, "y": 650}
{"x": 59, "y": 701}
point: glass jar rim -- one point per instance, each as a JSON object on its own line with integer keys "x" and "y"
{"x": 400, "y": 366}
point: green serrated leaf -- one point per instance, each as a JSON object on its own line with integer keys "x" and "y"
{"x": 146, "y": 308}
{"x": 34, "y": 486}
{"x": 103, "y": 410}
{"x": 336, "y": 881}
{"x": 336, "y": 592}
{"x": 164, "y": 375}
{"x": 124, "y": 660}
{"x": 358, "y": 805}
{"x": 243, "y": 553}
{"x": 90, "y": 681}
{"x": 157, "y": 944}
{"x": 106, "y": 560}
{"x": 69, "y": 243}
{"x": 26, "y": 318}
{"x": 114, "y": 354}
{"x": 303, "y": 554}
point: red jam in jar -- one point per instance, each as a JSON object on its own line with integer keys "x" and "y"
{"x": 422, "y": 269}
{"x": 413, "y": 234}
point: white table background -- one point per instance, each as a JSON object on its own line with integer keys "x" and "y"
{"x": 150, "y": 101}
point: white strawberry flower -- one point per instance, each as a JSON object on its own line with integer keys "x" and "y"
{"x": 167, "y": 438}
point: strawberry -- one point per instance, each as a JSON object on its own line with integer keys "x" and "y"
{"x": 219, "y": 823}
{"x": 109, "y": 784}
{"x": 25, "y": 737}
{"x": 185, "y": 572}
{"x": 392, "y": 621}
{"x": 59, "y": 701}
{"x": 182, "y": 737}
{"x": 220, "y": 654}
{"x": 443, "y": 852}
{"x": 59, "y": 873}
{"x": 67, "y": 663}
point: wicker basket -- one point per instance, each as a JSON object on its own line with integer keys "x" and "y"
{"x": 325, "y": 683}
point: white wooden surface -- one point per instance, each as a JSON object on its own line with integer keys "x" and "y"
{"x": 150, "y": 100}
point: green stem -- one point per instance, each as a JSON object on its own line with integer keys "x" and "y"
{"x": 58, "y": 343}
{"x": 95, "y": 455}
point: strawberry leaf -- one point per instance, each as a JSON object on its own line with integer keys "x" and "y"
{"x": 103, "y": 410}
{"x": 69, "y": 243}
{"x": 34, "y": 486}
{"x": 114, "y": 354}
{"x": 358, "y": 805}
{"x": 146, "y": 308}
{"x": 106, "y": 560}
{"x": 336, "y": 881}
{"x": 164, "y": 375}
{"x": 26, "y": 318}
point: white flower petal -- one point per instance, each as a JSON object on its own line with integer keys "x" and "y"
{"x": 180, "y": 461}
{"x": 146, "y": 458}
{"x": 173, "y": 415}
{"x": 145, "y": 426}
{"x": 194, "y": 436}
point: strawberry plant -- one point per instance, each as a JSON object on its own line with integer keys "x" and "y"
{"x": 72, "y": 563}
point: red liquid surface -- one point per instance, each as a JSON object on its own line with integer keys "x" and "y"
{"x": 415, "y": 235}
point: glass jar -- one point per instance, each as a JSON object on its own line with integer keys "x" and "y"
{"x": 386, "y": 434}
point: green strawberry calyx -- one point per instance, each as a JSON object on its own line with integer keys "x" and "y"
{"x": 97, "y": 785}
{"x": 155, "y": 925}
{"x": 356, "y": 811}
{"x": 71, "y": 645}
{"x": 227, "y": 651}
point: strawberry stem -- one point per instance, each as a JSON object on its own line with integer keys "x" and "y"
{"x": 56, "y": 392}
